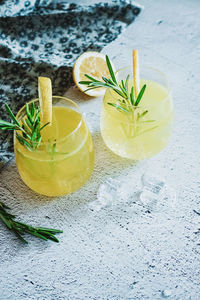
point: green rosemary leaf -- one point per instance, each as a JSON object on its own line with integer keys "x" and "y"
{"x": 39, "y": 138}
{"x": 50, "y": 236}
{"x": 84, "y": 82}
{"x": 54, "y": 147}
{"x": 9, "y": 126}
{"x": 91, "y": 78}
{"x": 37, "y": 126}
{"x": 126, "y": 82}
{"x": 112, "y": 74}
{"x": 34, "y": 134}
{"x": 143, "y": 114}
{"x": 132, "y": 96}
{"x": 118, "y": 107}
{"x": 28, "y": 122}
{"x": 5, "y": 123}
{"x": 19, "y": 236}
{"x": 119, "y": 93}
{"x": 11, "y": 114}
{"x": 29, "y": 117}
{"x": 49, "y": 230}
{"x": 19, "y": 230}
{"x": 97, "y": 84}
{"x": 101, "y": 84}
{"x": 107, "y": 80}
{"x": 27, "y": 110}
{"x": 23, "y": 141}
{"x": 36, "y": 234}
{"x": 23, "y": 225}
{"x": 37, "y": 115}
{"x": 147, "y": 121}
{"x": 122, "y": 87}
{"x": 32, "y": 109}
{"x": 139, "y": 97}
{"x": 5, "y": 220}
{"x": 44, "y": 126}
{"x": 92, "y": 88}
{"x": 25, "y": 127}
{"x": 121, "y": 101}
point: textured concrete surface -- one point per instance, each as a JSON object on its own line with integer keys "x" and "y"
{"x": 122, "y": 252}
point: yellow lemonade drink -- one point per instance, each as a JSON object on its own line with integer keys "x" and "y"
{"x": 64, "y": 160}
{"x": 146, "y": 130}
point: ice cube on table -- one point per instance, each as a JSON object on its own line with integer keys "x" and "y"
{"x": 107, "y": 191}
{"x": 110, "y": 192}
{"x": 156, "y": 194}
{"x": 152, "y": 189}
{"x": 152, "y": 184}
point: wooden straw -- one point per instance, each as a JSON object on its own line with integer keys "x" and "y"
{"x": 136, "y": 77}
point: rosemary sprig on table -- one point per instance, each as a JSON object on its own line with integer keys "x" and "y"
{"x": 30, "y": 127}
{"x": 127, "y": 103}
{"x": 20, "y": 228}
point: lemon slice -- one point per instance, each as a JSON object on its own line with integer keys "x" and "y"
{"x": 45, "y": 98}
{"x": 93, "y": 64}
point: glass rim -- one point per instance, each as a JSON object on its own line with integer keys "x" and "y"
{"x": 53, "y": 97}
{"x": 168, "y": 86}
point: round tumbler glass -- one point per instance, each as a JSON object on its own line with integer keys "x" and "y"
{"x": 64, "y": 160}
{"x": 145, "y": 130}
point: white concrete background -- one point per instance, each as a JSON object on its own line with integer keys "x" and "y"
{"x": 122, "y": 252}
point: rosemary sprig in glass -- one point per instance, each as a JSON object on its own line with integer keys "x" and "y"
{"x": 127, "y": 103}
{"x": 20, "y": 228}
{"x": 30, "y": 128}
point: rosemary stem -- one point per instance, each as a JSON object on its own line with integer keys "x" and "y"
{"x": 20, "y": 228}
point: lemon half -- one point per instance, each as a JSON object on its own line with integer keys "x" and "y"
{"x": 93, "y": 64}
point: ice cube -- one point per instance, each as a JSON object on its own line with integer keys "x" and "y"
{"x": 107, "y": 192}
{"x": 110, "y": 192}
{"x": 152, "y": 190}
{"x": 156, "y": 194}
{"x": 152, "y": 184}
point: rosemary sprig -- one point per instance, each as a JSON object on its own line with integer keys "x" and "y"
{"x": 52, "y": 149}
{"x": 30, "y": 129}
{"x": 128, "y": 103}
{"x": 20, "y": 228}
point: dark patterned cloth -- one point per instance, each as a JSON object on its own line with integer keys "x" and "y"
{"x": 44, "y": 38}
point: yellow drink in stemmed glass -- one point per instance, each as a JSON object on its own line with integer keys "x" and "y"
{"x": 64, "y": 160}
{"x": 146, "y": 130}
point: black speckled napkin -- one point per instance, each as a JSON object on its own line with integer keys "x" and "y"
{"x": 44, "y": 38}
